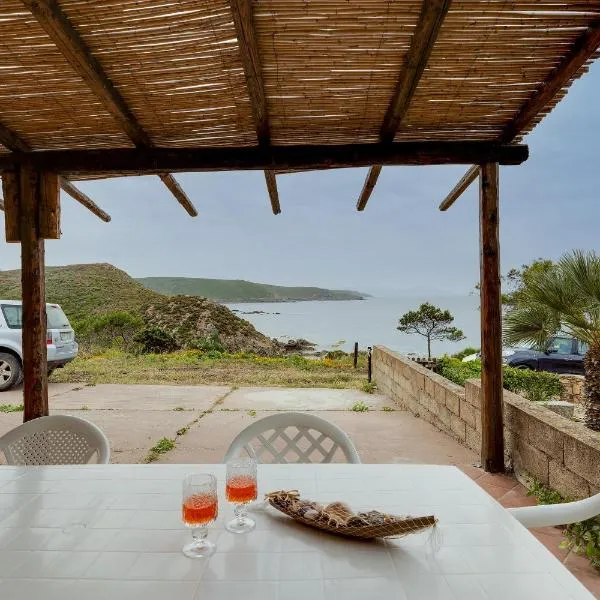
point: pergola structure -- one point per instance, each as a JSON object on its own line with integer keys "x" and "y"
{"x": 103, "y": 88}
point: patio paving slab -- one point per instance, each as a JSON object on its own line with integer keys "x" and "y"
{"x": 278, "y": 398}
{"x": 15, "y": 395}
{"x": 140, "y": 397}
{"x": 380, "y": 437}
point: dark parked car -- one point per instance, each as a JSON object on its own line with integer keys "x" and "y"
{"x": 563, "y": 355}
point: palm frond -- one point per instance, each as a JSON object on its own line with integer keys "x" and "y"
{"x": 583, "y": 271}
{"x": 533, "y": 324}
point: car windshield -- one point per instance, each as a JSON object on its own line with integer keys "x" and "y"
{"x": 560, "y": 345}
{"x": 13, "y": 313}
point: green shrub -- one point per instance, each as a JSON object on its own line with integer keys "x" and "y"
{"x": 359, "y": 407}
{"x": 458, "y": 371}
{"x": 208, "y": 344}
{"x": 154, "y": 340}
{"x": 112, "y": 330}
{"x": 465, "y": 352}
{"x": 534, "y": 385}
{"x": 336, "y": 354}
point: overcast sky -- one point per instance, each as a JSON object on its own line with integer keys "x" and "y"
{"x": 401, "y": 241}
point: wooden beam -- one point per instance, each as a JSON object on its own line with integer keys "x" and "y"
{"x": 48, "y": 205}
{"x": 83, "y": 199}
{"x": 468, "y": 178}
{"x": 243, "y": 20}
{"x": 14, "y": 142}
{"x": 370, "y": 181}
{"x": 10, "y": 140}
{"x": 160, "y": 160}
{"x": 179, "y": 194}
{"x": 11, "y": 186}
{"x": 35, "y": 365}
{"x": 581, "y": 51}
{"x": 273, "y": 193}
{"x": 492, "y": 447}
{"x": 433, "y": 13}
{"x": 71, "y": 45}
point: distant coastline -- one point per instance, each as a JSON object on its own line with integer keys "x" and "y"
{"x": 230, "y": 291}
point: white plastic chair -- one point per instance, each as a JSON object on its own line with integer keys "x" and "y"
{"x": 293, "y": 437}
{"x": 552, "y": 515}
{"x": 55, "y": 440}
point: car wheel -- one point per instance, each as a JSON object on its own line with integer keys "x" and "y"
{"x": 10, "y": 371}
{"x": 524, "y": 367}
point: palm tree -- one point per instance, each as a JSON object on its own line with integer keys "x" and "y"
{"x": 564, "y": 298}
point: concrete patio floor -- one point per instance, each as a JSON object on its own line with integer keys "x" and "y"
{"x": 135, "y": 417}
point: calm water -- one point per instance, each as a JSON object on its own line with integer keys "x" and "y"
{"x": 367, "y": 322}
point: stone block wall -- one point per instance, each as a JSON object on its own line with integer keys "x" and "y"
{"x": 559, "y": 452}
{"x": 450, "y": 407}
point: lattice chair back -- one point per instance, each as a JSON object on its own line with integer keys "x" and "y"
{"x": 55, "y": 440}
{"x": 294, "y": 438}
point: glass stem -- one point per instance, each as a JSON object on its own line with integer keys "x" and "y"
{"x": 240, "y": 512}
{"x": 199, "y": 533}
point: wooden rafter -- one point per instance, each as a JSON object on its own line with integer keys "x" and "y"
{"x": 68, "y": 41}
{"x": 426, "y": 32}
{"x": 468, "y": 178}
{"x": 243, "y": 20}
{"x": 83, "y": 199}
{"x": 143, "y": 161}
{"x": 14, "y": 142}
{"x": 582, "y": 50}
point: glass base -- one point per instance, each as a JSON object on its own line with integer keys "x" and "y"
{"x": 199, "y": 549}
{"x": 243, "y": 525}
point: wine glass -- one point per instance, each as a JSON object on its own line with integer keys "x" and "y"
{"x": 200, "y": 508}
{"x": 241, "y": 490}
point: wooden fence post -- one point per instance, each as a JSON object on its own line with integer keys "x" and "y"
{"x": 492, "y": 447}
{"x": 355, "y": 355}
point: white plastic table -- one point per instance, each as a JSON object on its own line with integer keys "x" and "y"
{"x": 113, "y": 532}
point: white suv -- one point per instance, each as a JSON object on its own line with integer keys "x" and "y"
{"x": 60, "y": 340}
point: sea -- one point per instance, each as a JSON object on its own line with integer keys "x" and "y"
{"x": 339, "y": 324}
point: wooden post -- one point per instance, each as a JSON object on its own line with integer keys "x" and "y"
{"x": 492, "y": 446}
{"x": 355, "y": 355}
{"x": 33, "y": 213}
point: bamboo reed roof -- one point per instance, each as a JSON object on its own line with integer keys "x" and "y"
{"x": 329, "y": 69}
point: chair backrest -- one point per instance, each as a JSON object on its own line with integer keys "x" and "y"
{"x": 293, "y": 438}
{"x": 55, "y": 440}
{"x": 554, "y": 515}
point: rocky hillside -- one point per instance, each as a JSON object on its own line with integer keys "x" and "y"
{"x": 95, "y": 289}
{"x": 189, "y": 319}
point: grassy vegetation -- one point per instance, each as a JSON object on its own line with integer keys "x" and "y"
{"x": 8, "y": 408}
{"x": 359, "y": 407}
{"x": 163, "y": 446}
{"x": 229, "y": 290}
{"x": 194, "y": 367}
